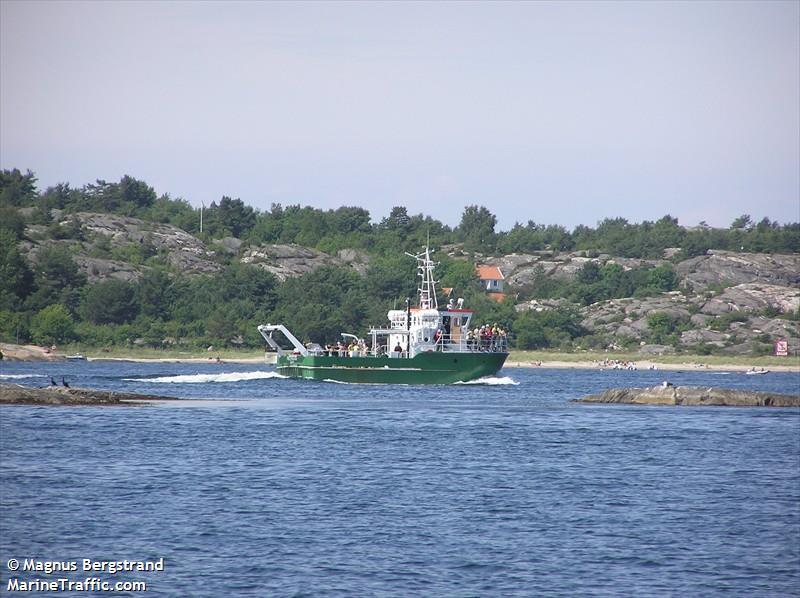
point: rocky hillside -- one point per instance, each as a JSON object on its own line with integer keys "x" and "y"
{"x": 111, "y": 246}
{"x": 734, "y": 302}
{"x": 286, "y": 261}
{"x": 731, "y": 302}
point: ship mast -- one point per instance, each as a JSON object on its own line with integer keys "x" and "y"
{"x": 427, "y": 288}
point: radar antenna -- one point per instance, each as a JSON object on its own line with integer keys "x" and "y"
{"x": 427, "y": 288}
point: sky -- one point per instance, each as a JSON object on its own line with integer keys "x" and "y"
{"x": 556, "y": 112}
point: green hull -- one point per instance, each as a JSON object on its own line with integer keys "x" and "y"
{"x": 424, "y": 368}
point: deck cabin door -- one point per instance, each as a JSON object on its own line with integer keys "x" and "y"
{"x": 455, "y": 329}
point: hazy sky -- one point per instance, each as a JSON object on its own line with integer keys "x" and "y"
{"x": 560, "y": 112}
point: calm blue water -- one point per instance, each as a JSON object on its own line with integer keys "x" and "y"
{"x": 290, "y": 488}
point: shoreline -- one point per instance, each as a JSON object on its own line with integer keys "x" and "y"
{"x": 32, "y": 353}
{"x": 198, "y": 360}
{"x": 645, "y": 365}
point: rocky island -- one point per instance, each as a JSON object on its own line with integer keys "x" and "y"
{"x": 15, "y": 394}
{"x": 668, "y": 394}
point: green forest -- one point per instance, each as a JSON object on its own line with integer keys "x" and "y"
{"x": 47, "y": 299}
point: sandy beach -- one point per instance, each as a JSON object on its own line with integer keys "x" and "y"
{"x": 651, "y": 365}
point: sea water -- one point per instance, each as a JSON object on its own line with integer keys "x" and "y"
{"x": 255, "y": 485}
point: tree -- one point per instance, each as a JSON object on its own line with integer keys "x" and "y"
{"x": 548, "y": 328}
{"x": 320, "y": 305}
{"x": 391, "y": 278}
{"x": 110, "y": 302}
{"x": 348, "y": 220}
{"x": 136, "y": 193}
{"x": 155, "y": 294}
{"x": 665, "y": 233}
{"x": 242, "y": 289}
{"x": 662, "y": 278}
{"x": 14, "y": 326}
{"x": 220, "y": 326}
{"x": 459, "y": 275}
{"x": 309, "y": 224}
{"x": 11, "y": 221}
{"x": 529, "y": 331}
{"x": 56, "y": 279}
{"x": 16, "y": 279}
{"x": 177, "y": 212}
{"x": 52, "y": 325}
{"x": 661, "y": 325}
{"x": 397, "y": 220}
{"x": 616, "y": 236}
{"x": 742, "y": 222}
{"x": 268, "y": 226}
{"x": 129, "y": 197}
{"x": 232, "y": 216}
{"x": 589, "y": 273}
{"x": 520, "y": 239}
{"x": 17, "y": 189}
{"x": 58, "y": 197}
{"x": 476, "y": 229}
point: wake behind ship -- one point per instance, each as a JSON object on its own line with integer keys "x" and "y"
{"x": 421, "y": 345}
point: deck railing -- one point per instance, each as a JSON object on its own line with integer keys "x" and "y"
{"x": 446, "y": 343}
{"x": 461, "y": 344}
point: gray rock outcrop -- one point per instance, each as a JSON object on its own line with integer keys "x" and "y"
{"x": 287, "y": 261}
{"x": 97, "y": 269}
{"x": 105, "y": 232}
{"x": 693, "y": 396}
{"x": 730, "y": 268}
{"x": 15, "y": 394}
{"x": 185, "y": 252}
{"x": 357, "y": 260}
{"x": 754, "y": 297}
{"x": 719, "y": 268}
{"x": 628, "y": 317}
{"x": 230, "y": 245}
{"x": 523, "y": 269}
{"x": 738, "y": 319}
{"x": 13, "y": 352}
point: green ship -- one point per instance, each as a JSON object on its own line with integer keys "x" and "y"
{"x": 421, "y": 345}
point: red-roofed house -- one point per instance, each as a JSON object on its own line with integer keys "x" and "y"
{"x": 492, "y": 280}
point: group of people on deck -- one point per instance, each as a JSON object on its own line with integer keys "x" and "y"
{"x": 487, "y": 338}
{"x": 354, "y": 349}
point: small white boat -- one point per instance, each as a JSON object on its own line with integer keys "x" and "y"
{"x": 754, "y": 372}
{"x": 76, "y": 357}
